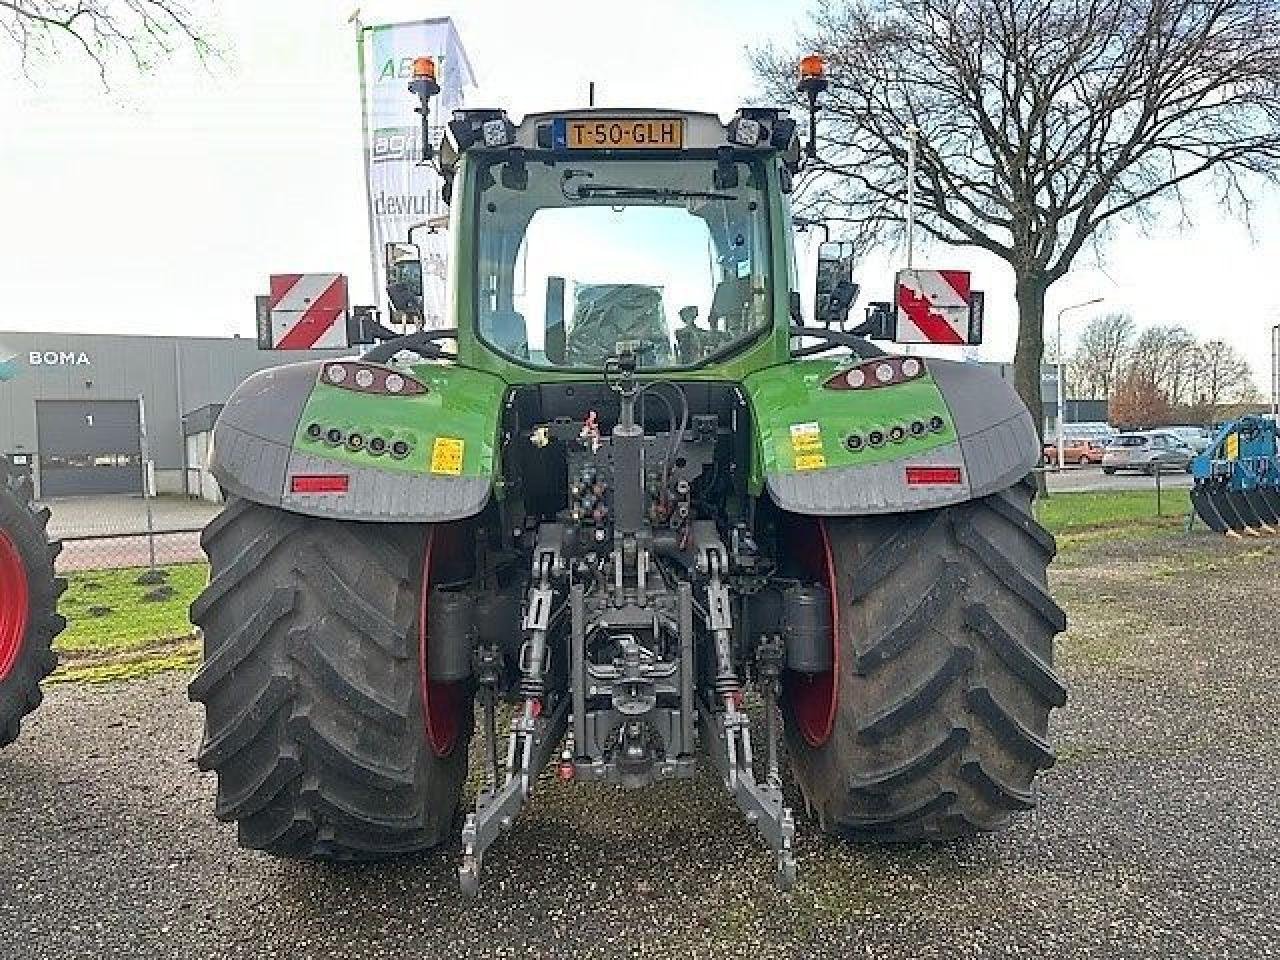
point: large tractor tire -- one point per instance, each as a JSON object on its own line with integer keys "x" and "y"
{"x": 934, "y": 721}
{"x": 327, "y": 740}
{"x": 29, "y": 593}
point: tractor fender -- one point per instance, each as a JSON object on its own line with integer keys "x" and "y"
{"x": 810, "y": 462}
{"x": 266, "y": 447}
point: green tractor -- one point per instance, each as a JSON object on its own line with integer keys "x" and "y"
{"x": 624, "y": 515}
{"x": 28, "y": 598}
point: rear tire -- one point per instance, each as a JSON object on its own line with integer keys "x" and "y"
{"x": 29, "y": 593}
{"x": 944, "y": 658}
{"x": 313, "y": 688}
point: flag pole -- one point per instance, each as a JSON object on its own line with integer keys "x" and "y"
{"x": 366, "y": 151}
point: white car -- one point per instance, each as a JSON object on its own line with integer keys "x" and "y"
{"x": 1147, "y": 452}
{"x": 1197, "y": 438}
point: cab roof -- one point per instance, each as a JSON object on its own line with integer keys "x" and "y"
{"x": 624, "y": 130}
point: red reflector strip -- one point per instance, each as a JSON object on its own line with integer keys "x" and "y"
{"x": 933, "y": 476}
{"x": 320, "y": 483}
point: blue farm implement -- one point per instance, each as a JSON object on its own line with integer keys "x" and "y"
{"x": 1237, "y": 479}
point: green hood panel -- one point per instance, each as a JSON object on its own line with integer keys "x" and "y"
{"x": 273, "y": 431}
{"x": 457, "y": 415}
{"x": 963, "y": 434}
{"x": 802, "y": 425}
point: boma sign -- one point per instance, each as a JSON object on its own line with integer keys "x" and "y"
{"x": 59, "y": 358}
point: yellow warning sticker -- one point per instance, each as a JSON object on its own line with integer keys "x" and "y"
{"x": 810, "y": 461}
{"x": 806, "y": 438}
{"x": 446, "y": 455}
{"x": 1233, "y": 446}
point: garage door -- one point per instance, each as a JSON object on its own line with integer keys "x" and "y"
{"x": 88, "y": 447}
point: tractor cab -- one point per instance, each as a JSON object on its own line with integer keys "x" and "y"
{"x": 584, "y": 234}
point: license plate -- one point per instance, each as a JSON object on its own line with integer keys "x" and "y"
{"x": 620, "y": 133}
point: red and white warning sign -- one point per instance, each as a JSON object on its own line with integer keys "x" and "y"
{"x": 307, "y": 311}
{"x": 935, "y": 306}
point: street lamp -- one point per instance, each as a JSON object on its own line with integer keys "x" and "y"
{"x": 1062, "y": 393}
{"x": 1275, "y": 371}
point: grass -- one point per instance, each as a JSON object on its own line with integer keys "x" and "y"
{"x": 114, "y": 632}
{"x": 135, "y": 665}
{"x": 1095, "y": 513}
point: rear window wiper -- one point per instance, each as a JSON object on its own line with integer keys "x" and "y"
{"x": 623, "y": 192}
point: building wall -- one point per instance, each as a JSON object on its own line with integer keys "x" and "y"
{"x": 174, "y": 375}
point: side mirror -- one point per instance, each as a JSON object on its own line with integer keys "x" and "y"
{"x": 404, "y": 278}
{"x": 835, "y": 291}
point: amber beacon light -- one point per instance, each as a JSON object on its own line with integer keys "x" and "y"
{"x": 424, "y": 68}
{"x": 813, "y": 67}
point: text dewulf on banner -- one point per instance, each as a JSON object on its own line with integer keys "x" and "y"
{"x": 403, "y": 191}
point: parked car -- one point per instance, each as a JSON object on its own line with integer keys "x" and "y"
{"x": 1077, "y": 450}
{"x": 1146, "y": 452}
{"x": 1197, "y": 438}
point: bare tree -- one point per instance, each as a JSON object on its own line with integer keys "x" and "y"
{"x": 142, "y": 31}
{"x": 1223, "y": 375}
{"x": 1039, "y": 122}
{"x": 1100, "y": 356}
{"x": 1163, "y": 357}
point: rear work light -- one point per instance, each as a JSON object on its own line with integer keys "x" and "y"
{"x": 934, "y": 476}
{"x": 880, "y": 372}
{"x": 370, "y": 378}
{"x": 319, "y": 483}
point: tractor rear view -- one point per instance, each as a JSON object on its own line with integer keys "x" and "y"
{"x": 28, "y": 596}
{"x": 626, "y": 492}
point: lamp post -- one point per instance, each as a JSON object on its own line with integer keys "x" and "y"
{"x": 1062, "y": 392}
{"x": 913, "y": 135}
{"x": 1275, "y": 371}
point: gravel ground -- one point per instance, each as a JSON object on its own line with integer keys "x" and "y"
{"x": 1158, "y": 832}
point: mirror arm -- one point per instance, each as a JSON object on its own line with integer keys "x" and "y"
{"x": 422, "y": 343}
{"x": 860, "y": 346}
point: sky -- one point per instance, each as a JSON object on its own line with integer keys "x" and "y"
{"x": 160, "y": 206}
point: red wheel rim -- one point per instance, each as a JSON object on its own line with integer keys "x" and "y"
{"x": 813, "y": 698}
{"x": 14, "y": 601}
{"x": 441, "y": 702}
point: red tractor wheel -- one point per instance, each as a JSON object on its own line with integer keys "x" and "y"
{"x": 28, "y": 595}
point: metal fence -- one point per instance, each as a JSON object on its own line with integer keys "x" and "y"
{"x": 119, "y": 532}
{"x": 113, "y": 552}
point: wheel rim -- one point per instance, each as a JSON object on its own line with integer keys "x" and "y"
{"x": 441, "y": 702}
{"x": 14, "y": 601}
{"x": 813, "y": 697}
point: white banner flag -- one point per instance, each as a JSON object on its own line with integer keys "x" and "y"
{"x": 403, "y": 191}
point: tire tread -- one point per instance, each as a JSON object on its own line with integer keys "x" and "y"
{"x": 310, "y": 687}
{"x": 27, "y": 527}
{"x": 942, "y": 720}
